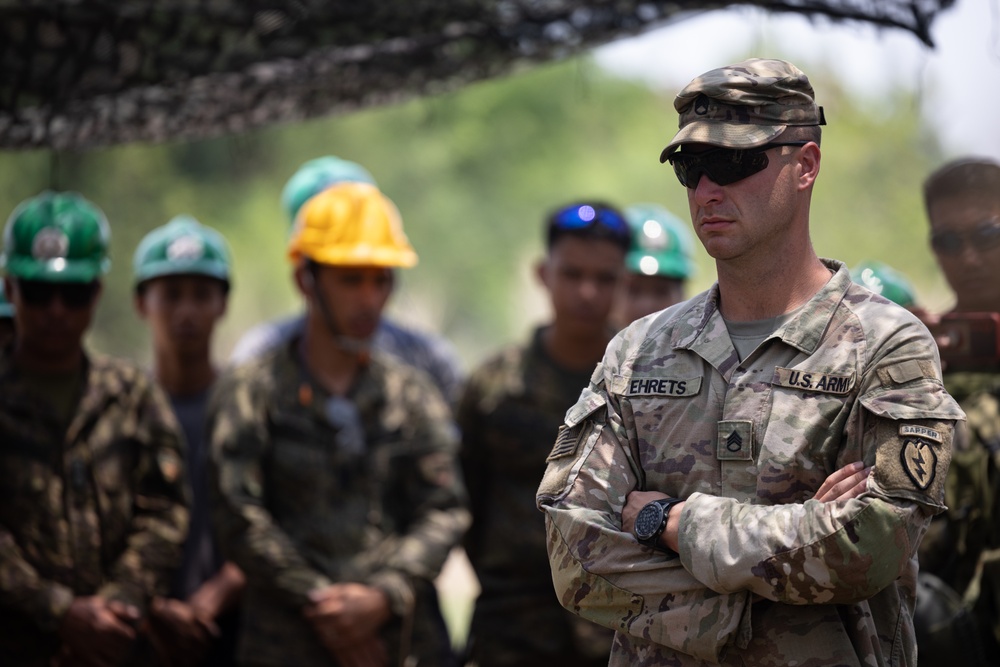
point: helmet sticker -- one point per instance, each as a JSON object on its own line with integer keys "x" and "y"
{"x": 654, "y": 237}
{"x": 50, "y": 243}
{"x": 186, "y": 248}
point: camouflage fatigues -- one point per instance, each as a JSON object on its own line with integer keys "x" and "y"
{"x": 96, "y": 510}
{"x": 766, "y": 575}
{"x": 962, "y": 546}
{"x": 510, "y": 412}
{"x": 432, "y": 354}
{"x": 311, "y": 494}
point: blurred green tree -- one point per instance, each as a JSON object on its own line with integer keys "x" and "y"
{"x": 474, "y": 172}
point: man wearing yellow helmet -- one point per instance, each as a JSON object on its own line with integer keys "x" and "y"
{"x": 92, "y": 494}
{"x": 430, "y": 353}
{"x": 337, "y": 483}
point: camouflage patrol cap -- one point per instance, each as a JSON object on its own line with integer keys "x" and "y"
{"x": 744, "y": 105}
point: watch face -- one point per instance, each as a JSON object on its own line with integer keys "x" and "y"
{"x": 648, "y": 521}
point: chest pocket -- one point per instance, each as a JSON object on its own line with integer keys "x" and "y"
{"x": 308, "y": 463}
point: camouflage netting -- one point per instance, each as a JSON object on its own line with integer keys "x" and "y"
{"x": 83, "y": 73}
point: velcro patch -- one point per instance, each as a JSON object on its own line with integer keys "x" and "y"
{"x": 920, "y": 432}
{"x": 663, "y": 386}
{"x": 567, "y": 442}
{"x": 806, "y": 380}
{"x": 735, "y": 441}
{"x": 908, "y": 461}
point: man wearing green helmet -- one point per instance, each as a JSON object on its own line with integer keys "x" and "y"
{"x": 658, "y": 263}
{"x": 431, "y": 354}
{"x": 93, "y": 512}
{"x": 182, "y": 278}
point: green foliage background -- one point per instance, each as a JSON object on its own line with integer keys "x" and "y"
{"x": 474, "y": 173}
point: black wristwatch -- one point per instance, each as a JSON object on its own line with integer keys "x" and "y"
{"x": 652, "y": 521}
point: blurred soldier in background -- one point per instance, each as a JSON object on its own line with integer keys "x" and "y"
{"x": 509, "y": 415}
{"x": 962, "y": 547}
{"x": 431, "y": 354}
{"x": 658, "y": 264}
{"x": 92, "y": 494}
{"x": 182, "y": 278}
{"x": 339, "y": 491}
{"x": 6, "y": 319}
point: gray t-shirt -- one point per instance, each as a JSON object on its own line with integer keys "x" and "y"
{"x": 747, "y": 336}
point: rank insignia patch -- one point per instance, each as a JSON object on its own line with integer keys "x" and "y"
{"x": 919, "y": 461}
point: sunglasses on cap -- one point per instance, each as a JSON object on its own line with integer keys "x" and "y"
{"x": 38, "y": 293}
{"x": 723, "y": 166}
{"x": 985, "y": 236}
{"x": 582, "y": 216}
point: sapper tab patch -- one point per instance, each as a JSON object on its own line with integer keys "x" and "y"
{"x": 735, "y": 440}
{"x": 920, "y": 432}
{"x": 663, "y": 386}
{"x": 919, "y": 461}
{"x": 806, "y": 380}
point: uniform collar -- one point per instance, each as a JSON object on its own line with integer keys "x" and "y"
{"x": 706, "y": 333}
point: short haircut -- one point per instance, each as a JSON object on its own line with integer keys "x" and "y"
{"x": 968, "y": 178}
{"x": 597, "y": 230}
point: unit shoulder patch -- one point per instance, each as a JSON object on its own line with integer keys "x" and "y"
{"x": 919, "y": 461}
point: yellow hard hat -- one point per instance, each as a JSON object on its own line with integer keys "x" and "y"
{"x": 351, "y": 224}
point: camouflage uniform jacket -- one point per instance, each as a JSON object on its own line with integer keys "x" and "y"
{"x": 311, "y": 494}
{"x": 509, "y": 415}
{"x": 766, "y": 574}
{"x": 97, "y": 510}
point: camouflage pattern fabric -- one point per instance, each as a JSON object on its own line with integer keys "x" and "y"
{"x": 962, "y": 546}
{"x": 314, "y": 490}
{"x": 96, "y": 510}
{"x": 509, "y": 415}
{"x": 432, "y": 354}
{"x": 766, "y": 575}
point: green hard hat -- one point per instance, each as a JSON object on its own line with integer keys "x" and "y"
{"x": 6, "y": 307}
{"x": 317, "y": 175}
{"x": 883, "y": 279}
{"x": 183, "y": 246}
{"x": 661, "y": 244}
{"x": 56, "y": 237}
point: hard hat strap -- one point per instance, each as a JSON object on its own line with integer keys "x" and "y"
{"x": 360, "y": 347}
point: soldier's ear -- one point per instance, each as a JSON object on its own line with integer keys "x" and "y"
{"x": 305, "y": 280}
{"x": 542, "y": 272}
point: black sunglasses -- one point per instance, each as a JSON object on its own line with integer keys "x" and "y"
{"x": 722, "y": 165}
{"x": 38, "y": 293}
{"x": 985, "y": 236}
{"x": 582, "y": 216}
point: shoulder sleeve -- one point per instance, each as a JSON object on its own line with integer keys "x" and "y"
{"x": 159, "y": 524}
{"x": 433, "y": 494}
